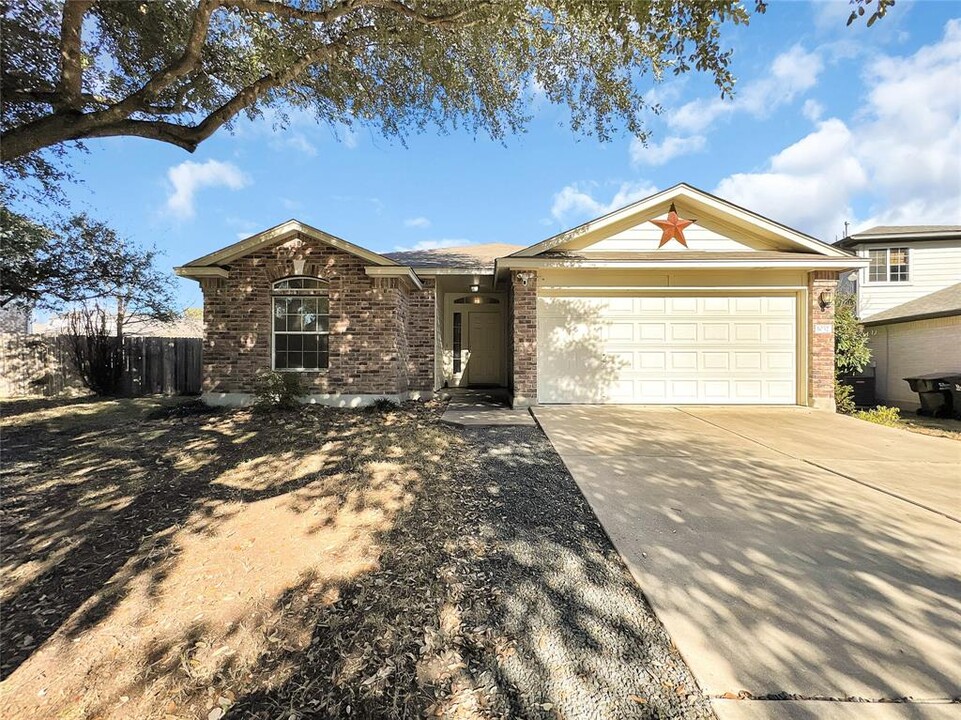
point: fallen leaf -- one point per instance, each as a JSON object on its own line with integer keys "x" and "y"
{"x": 638, "y": 699}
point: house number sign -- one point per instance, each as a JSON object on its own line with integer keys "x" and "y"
{"x": 823, "y": 329}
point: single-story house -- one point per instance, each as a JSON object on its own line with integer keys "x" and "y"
{"x": 678, "y": 298}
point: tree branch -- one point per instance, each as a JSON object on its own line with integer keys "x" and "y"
{"x": 71, "y": 53}
{"x": 68, "y": 122}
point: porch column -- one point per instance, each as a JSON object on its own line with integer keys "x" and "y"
{"x": 524, "y": 338}
{"x": 821, "y": 340}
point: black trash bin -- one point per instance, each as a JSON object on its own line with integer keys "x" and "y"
{"x": 936, "y": 392}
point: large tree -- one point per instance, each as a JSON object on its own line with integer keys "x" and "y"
{"x": 178, "y": 70}
{"x": 79, "y": 261}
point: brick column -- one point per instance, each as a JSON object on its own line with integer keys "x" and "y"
{"x": 421, "y": 328}
{"x": 821, "y": 341}
{"x": 524, "y": 338}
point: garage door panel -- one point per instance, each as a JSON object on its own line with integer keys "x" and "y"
{"x": 747, "y": 332}
{"x": 715, "y": 361}
{"x": 747, "y": 360}
{"x": 711, "y": 349}
{"x": 652, "y": 331}
{"x": 652, "y": 360}
{"x": 715, "y": 332}
{"x": 779, "y": 331}
{"x": 683, "y": 332}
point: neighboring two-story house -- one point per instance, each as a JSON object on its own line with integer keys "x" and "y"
{"x": 909, "y": 298}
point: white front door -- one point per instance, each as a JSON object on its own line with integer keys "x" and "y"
{"x": 680, "y": 349}
{"x": 484, "y": 345}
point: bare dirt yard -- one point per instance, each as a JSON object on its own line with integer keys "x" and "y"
{"x": 162, "y": 560}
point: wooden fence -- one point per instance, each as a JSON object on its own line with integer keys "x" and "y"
{"x": 42, "y": 365}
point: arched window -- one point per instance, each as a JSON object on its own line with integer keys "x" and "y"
{"x": 301, "y": 324}
{"x": 477, "y": 300}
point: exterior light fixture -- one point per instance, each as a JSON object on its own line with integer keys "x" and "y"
{"x": 825, "y": 298}
{"x": 475, "y": 288}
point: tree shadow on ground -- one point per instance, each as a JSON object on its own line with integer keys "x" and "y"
{"x": 512, "y": 604}
{"x": 841, "y": 592}
{"x": 137, "y": 540}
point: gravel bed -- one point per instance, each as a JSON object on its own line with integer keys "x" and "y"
{"x": 586, "y": 644}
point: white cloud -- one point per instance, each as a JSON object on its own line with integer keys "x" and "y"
{"x": 435, "y": 244}
{"x": 575, "y": 202}
{"x": 188, "y": 177}
{"x": 697, "y": 115}
{"x": 813, "y": 110}
{"x": 904, "y": 161}
{"x": 417, "y": 222}
{"x": 660, "y": 153}
{"x": 296, "y": 141}
{"x": 808, "y": 185}
{"x": 792, "y": 73}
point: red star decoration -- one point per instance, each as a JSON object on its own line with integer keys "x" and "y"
{"x": 673, "y": 228}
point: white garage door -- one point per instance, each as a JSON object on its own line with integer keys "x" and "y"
{"x": 683, "y": 349}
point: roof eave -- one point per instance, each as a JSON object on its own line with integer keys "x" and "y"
{"x": 598, "y": 225}
{"x": 839, "y": 263}
{"x": 855, "y": 240}
{"x": 281, "y": 232}
{"x": 199, "y": 272}
{"x": 870, "y": 322}
{"x": 400, "y": 271}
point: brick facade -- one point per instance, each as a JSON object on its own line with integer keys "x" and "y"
{"x": 821, "y": 340}
{"x": 421, "y": 324}
{"x": 523, "y": 339}
{"x": 371, "y": 323}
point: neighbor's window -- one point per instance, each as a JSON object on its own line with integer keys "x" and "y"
{"x": 301, "y": 317}
{"x": 888, "y": 265}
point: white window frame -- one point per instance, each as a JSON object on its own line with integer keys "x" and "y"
{"x": 275, "y": 293}
{"x": 887, "y": 266}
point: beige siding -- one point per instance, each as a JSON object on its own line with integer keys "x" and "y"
{"x": 646, "y": 237}
{"x": 933, "y": 266}
{"x": 561, "y": 278}
{"x": 913, "y": 348}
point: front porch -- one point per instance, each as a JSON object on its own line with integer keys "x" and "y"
{"x": 473, "y": 333}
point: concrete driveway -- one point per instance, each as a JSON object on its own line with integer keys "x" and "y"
{"x": 786, "y": 550}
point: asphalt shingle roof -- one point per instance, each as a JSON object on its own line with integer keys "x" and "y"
{"x": 463, "y": 256}
{"x": 942, "y": 303}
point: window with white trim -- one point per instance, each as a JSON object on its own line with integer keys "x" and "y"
{"x": 889, "y": 265}
{"x": 301, "y": 324}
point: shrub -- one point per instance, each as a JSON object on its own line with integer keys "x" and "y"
{"x": 888, "y": 416}
{"x": 851, "y": 352}
{"x": 96, "y": 353}
{"x": 277, "y": 391}
{"x": 844, "y": 398}
{"x": 384, "y": 404}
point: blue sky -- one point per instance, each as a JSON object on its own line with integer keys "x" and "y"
{"x": 829, "y": 124}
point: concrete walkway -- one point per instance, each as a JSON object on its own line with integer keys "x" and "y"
{"x": 481, "y": 407}
{"x": 785, "y": 550}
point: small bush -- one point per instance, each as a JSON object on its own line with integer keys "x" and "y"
{"x": 887, "y": 416}
{"x": 844, "y": 398}
{"x": 384, "y": 404}
{"x": 277, "y": 391}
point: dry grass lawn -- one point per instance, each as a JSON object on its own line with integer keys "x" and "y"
{"x": 159, "y": 560}
{"x": 163, "y": 561}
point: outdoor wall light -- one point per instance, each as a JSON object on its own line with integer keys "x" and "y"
{"x": 475, "y": 288}
{"x": 825, "y": 299}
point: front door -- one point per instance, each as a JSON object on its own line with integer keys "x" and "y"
{"x": 485, "y": 362}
